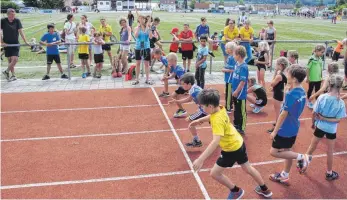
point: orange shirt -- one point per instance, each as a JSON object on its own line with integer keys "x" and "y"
{"x": 339, "y": 47}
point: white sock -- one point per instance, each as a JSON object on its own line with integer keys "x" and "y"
{"x": 300, "y": 156}
{"x": 196, "y": 138}
{"x": 329, "y": 172}
{"x": 284, "y": 174}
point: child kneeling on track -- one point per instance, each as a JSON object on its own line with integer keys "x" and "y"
{"x": 256, "y": 95}
{"x": 328, "y": 111}
{"x": 175, "y": 71}
{"x": 228, "y": 75}
{"x": 98, "y": 54}
{"x": 287, "y": 127}
{"x": 188, "y": 85}
{"x": 233, "y": 148}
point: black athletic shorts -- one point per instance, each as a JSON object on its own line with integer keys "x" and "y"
{"x": 106, "y": 47}
{"x": 98, "y": 58}
{"x": 228, "y": 159}
{"x": 320, "y": 134}
{"x": 197, "y": 115}
{"x": 50, "y": 59}
{"x": 11, "y": 51}
{"x": 278, "y": 95}
{"x": 260, "y": 102}
{"x": 83, "y": 56}
{"x": 143, "y": 53}
{"x": 335, "y": 56}
{"x": 180, "y": 90}
{"x": 283, "y": 142}
{"x": 187, "y": 55}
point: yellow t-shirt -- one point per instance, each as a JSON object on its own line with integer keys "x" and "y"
{"x": 231, "y": 140}
{"x": 83, "y": 48}
{"x": 231, "y": 34}
{"x": 105, "y": 29}
{"x": 247, "y": 32}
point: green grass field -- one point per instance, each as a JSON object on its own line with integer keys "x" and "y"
{"x": 288, "y": 28}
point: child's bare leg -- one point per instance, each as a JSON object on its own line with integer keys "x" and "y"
{"x": 287, "y": 165}
{"x": 192, "y": 129}
{"x": 59, "y": 68}
{"x": 138, "y": 65}
{"x": 251, "y": 98}
{"x": 146, "y": 63}
{"x": 185, "y": 65}
{"x": 87, "y": 65}
{"x": 166, "y": 85}
{"x": 331, "y": 146}
{"x": 283, "y": 153}
{"x": 249, "y": 169}
{"x": 175, "y": 96}
{"x": 82, "y": 66}
{"x": 314, "y": 142}
{"x": 216, "y": 174}
{"x": 189, "y": 62}
{"x": 48, "y": 68}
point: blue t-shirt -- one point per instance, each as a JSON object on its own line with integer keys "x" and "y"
{"x": 142, "y": 38}
{"x": 202, "y": 51}
{"x": 228, "y": 77}
{"x": 49, "y": 38}
{"x": 329, "y": 107}
{"x": 194, "y": 93}
{"x": 178, "y": 70}
{"x": 200, "y": 30}
{"x": 294, "y": 104}
{"x": 163, "y": 60}
{"x": 240, "y": 74}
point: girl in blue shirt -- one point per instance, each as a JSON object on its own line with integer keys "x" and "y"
{"x": 328, "y": 111}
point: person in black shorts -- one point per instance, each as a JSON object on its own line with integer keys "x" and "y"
{"x": 51, "y": 39}
{"x": 256, "y": 95}
{"x": 278, "y": 82}
{"x": 262, "y": 62}
{"x": 187, "y": 48}
{"x": 11, "y": 29}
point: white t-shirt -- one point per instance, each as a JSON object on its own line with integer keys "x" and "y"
{"x": 88, "y": 26}
{"x": 97, "y": 49}
{"x": 71, "y": 28}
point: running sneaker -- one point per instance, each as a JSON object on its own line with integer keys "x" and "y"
{"x": 164, "y": 94}
{"x": 332, "y": 176}
{"x": 310, "y": 105}
{"x": 302, "y": 165}
{"x": 45, "y": 77}
{"x": 236, "y": 195}
{"x": 149, "y": 82}
{"x": 88, "y": 74}
{"x": 194, "y": 143}
{"x": 277, "y": 177}
{"x": 230, "y": 111}
{"x": 13, "y": 78}
{"x": 84, "y": 75}
{"x": 257, "y": 109}
{"x": 267, "y": 193}
{"x": 252, "y": 105}
{"x": 180, "y": 113}
{"x": 271, "y": 130}
{"x": 98, "y": 76}
{"x": 6, "y": 74}
{"x": 64, "y": 76}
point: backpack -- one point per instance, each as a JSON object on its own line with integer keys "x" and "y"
{"x": 131, "y": 73}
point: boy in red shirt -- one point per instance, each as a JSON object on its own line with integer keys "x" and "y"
{"x": 174, "y": 45}
{"x": 187, "y": 48}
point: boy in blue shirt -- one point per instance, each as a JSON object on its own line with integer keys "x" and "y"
{"x": 328, "y": 111}
{"x": 51, "y": 39}
{"x": 173, "y": 71}
{"x": 228, "y": 75}
{"x": 204, "y": 29}
{"x": 187, "y": 85}
{"x": 288, "y": 124}
{"x": 239, "y": 86}
{"x": 200, "y": 65}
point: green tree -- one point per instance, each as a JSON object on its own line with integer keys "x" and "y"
{"x": 298, "y": 4}
{"x": 8, "y": 4}
{"x": 321, "y": 3}
{"x": 192, "y": 4}
{"x": 221, "y": 2}
{"x": 241, "y": 2}
{"x": 76, "y": 3}
{"x": 341, "y": 2}
{"x": 48, "y": 4}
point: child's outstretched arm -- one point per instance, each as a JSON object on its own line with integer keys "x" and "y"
{"x": 181, "y": 101}
{"x": 197, "y": 164}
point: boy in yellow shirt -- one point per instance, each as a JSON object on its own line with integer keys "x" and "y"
{"x": 83, "y": 51}
{"x": 231, "y": 143}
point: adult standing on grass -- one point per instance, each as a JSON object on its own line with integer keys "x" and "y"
{"x": 130, "y": 19}
{"x": 246, "y": 34}
{"x": 70, "y": 30}
{"x": 125, "y": 37}
{"x": 11, "y": 28}
{"x": 231, "y": 34}
{"x": 106, "y": 31}
{"x": 90, "y": 32}
{"x": 142, "y": 48}
{"x": 186, "y": 36}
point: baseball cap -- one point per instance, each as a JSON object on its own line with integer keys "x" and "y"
{"x": 174, "y": 30}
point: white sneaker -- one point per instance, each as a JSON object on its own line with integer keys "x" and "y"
{"x": 252, "y": 105}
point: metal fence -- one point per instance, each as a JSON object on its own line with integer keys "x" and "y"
{"x": 211, "y": 59}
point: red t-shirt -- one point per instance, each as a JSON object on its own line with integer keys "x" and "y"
{"x": 174, "y": 46}
{"x": 186, "y": 35}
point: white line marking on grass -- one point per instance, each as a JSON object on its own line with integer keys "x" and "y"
{"x": 122, "y": 133}
{"x": 31, "y": 185}
{"x": 75, "y": 109}
{"x": 196, "y": 175}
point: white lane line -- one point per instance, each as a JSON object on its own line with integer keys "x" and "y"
{"x": 123, "y": 133}
{"x": 196, "y": 175}
{"x": 76, "y": 109}
{"x": 31, "y": 185}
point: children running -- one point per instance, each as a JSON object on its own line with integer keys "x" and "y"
{"x": 228, "y": 75}
{"x": 233, "y": 148}
{"x": 187, "y": 85}
{"x": 314, "y": 72}
{"x": 287, "y": 127}
{"x": 328, "y": 111}
{"x": 256, "y": 95}
{"x": 83, "y": 52}
{"x": 200, "y": 65}
{"x": 277, "y": 86}
{"x": 51, "y": 39}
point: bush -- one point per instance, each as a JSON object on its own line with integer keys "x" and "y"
{"x": 7, "y": 4}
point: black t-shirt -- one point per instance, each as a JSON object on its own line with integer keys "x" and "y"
{"x": 10, "y": 30}
{"x": 130, "y": 17}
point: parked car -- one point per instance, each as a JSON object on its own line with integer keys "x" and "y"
{"x": 28, "y": 10}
